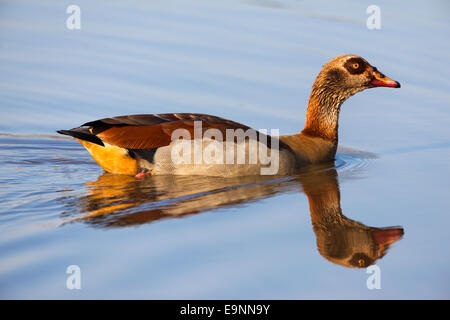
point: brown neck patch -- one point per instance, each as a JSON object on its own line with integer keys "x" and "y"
{"x": 323, "y": 114}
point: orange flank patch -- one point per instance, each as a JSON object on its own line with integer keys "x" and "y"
{"x": 111, "y": 158}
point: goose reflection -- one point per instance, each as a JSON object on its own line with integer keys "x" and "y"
{"x": 339, "y": 239}
{"x": 118, "y": 201}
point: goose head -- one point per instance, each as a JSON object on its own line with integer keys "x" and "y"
{"x": 349, "y": 74}
{"x": 339, "y": 79}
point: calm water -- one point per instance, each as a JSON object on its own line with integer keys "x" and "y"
{"x": 253, "y": 62}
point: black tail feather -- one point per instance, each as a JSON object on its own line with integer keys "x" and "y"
{"x": 83, "y": 134}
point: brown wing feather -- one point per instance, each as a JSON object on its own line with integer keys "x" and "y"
{"x": 154, "y": 130}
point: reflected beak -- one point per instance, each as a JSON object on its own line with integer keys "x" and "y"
{"x": 380, "y": 80}
{"x": 387, "y": 236}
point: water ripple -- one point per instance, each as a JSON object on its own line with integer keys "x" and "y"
{"x": 58, "y": 174}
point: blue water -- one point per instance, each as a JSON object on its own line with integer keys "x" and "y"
{"x": 249, "y": 61}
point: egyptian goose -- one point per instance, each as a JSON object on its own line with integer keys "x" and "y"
{"x": 145, "y": 144}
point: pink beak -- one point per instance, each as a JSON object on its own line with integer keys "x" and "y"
{"x": 387, "y": 236}
{"x": 380, "y": 80}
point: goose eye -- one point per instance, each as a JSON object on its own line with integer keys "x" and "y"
{"x": 361, "y": 262}
{"x": 355, "y": 65}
